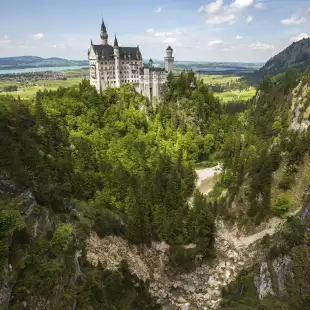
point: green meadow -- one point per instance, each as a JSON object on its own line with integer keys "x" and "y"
{"x": 236, "y": 95}
{"x": 29, "y": 90}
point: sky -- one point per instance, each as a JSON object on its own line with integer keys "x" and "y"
{"x": 197, "y": 30}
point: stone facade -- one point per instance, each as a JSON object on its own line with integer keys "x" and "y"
{"x": 112, "y": 66}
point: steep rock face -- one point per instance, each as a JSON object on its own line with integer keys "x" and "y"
{"x": 200, "y": 288}
{"x": 35, "y": 225}
{"x": 284, "y": 279}
{"x": 300, "y": 102}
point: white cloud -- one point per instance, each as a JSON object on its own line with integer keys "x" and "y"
{"x": 259, "y": 6}
{"x": 218, "y": 13}
{"x": 249, "y": 19}
{"x": 294, "y": 20}
{"x": 4, "y": 41}
{"x": 169, "y": 40}
{"x": 163, "y": 34}
{"x": 215, "y": 42}
{"x": 222, "y": 19}
{"x": 37, "y": 36}
{"x": 238, "y": 37}
{"x": 150, "y": 30}
{"x": 300, "y": 37}
{"x": 241, "y": 4}
{"x": 56, "y": 46}
{"x": 212, "y": 7}
{"x": 261, "y": 46}
{"x": 157, "y": 10}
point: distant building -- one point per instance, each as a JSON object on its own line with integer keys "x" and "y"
{"x": 112, "y": 66}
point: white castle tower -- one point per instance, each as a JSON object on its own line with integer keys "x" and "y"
{"x": 169, "y": 59}
{"x": 112, "y": 66}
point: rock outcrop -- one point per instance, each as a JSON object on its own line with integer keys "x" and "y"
{"x": 200, "y": 288}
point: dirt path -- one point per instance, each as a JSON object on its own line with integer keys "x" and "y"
{"x": 272, "y": 227}
{"x": 206, "y": 182}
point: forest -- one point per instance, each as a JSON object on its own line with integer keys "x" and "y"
{"x": 115, "y": 164}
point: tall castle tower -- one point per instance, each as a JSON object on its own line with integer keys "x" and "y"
{"x": 169, "y": 59}
{"x": 117, "y": 63}
{"x": 104, "y": 34}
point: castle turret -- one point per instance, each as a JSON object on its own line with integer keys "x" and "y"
{"x": 115, "y": 42}
{"x": 116, "y": 63}
{"x": 169, "y": 59}
{"x": 104, "y": 34}
{"x": 150, "y": 63}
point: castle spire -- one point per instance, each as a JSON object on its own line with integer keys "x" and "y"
{"x": 103, "y": 28}
{"x": 115, "y": 41}
{"x": 104, "y": 34}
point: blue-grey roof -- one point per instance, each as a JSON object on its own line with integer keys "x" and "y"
{"x": 107, "y": 52}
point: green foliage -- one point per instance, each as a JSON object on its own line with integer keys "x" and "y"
{"x": 277, "y": 126}
{"x": 4, "y": 253}
{"x": 282, "y": 205}
{"x": 181, "y": 258}
{"x": 240, "y": 294}
{"x": 266, "y": 84}
{"x": 259, "y": 142}
{"x": 118, "y": 290}
{"x": 10, "y": 220}
{"x": 61, "y": 239}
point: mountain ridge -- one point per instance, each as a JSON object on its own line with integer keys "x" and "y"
{"x": 20, "y": 62}
{"x": 296, "y": 55}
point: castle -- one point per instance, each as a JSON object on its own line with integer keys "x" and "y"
{"x": 112, "y": 66}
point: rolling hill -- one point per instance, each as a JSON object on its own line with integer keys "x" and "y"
{"x": 21, "y": 62}
{"x": 297, "y": 55}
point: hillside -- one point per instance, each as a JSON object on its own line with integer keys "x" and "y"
{"x": 22, "y": 62}
{"x": 98, "y": 195}
{"x": 297, "y": 55}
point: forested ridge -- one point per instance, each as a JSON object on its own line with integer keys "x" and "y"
{"x": 114, "y": 164}
{"x": 296, "y": 56}
{"x": 109, "y": 163}
{"x": 262, "y": 142}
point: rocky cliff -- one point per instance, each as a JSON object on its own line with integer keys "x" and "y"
{"x": 201, "y": 288}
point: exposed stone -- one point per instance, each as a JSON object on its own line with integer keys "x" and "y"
{"x": 202, "y": 287}
{"x": 263, "y": 281}
{"x": 282, "y": 267}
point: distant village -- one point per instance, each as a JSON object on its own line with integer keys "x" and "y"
{"x": 28, "y": 77}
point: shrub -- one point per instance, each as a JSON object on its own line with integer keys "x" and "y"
{"x": 286, "y": 181}
{"x": 4, "y": 252}
{"x": 181, "y": 258}
{"x": 107, "y": 223}
{"x": 282, "y": 204}
{"x": 61, "y": 238}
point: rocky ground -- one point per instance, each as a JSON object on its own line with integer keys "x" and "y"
{"x": 201, "y": 288}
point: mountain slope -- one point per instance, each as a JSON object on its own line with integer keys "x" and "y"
{"x": 296, "y": 55}
{"x": 21, "y": 62}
